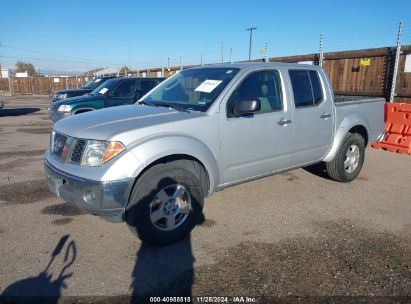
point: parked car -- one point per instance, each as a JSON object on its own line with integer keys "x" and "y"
{"x": 86, "y": 89}
{"x": 204, "y": 129}
{"x": 113, "y": 92}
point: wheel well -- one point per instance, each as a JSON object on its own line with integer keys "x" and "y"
{"x": 188, "y": 162}
{"x": 362, "y": 131}
{"x": 82, "y": 111}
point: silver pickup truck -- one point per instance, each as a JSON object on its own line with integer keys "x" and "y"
{"x": 151, "y": 164}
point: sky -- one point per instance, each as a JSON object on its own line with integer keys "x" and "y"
{"x": 78, "y": 36}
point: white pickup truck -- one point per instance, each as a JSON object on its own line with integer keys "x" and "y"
{"x": 151, "y": 164}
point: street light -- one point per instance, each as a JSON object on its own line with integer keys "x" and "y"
{"x": 251, "y": 29}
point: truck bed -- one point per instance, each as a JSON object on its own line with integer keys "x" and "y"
{"x": 346, "y": 99}
{"x": 368, "y": 110}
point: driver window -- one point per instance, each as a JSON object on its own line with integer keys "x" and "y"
{"x": 125, "y": 89}
{"x": 264, "y": 86}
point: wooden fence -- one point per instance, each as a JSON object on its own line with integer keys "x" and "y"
{"x": 40, "y": 85}
{"x": 361, "y": 72}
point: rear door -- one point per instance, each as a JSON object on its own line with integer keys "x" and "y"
{"x": 257, "y": 144}
{"x": 122, "y": 94}
{"x": 313, "y": 117}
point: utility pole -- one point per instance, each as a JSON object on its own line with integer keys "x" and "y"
{"x": 231, "y": 55}
{"x": 265, "y": 52}
{"x": 222, "y": 51}
{"x": 168, "y": 64}
{"x": 321, "y": 58}
{"x": 129, "y": 56}
{"x": 397, "y": 59}
{"x": 201, "y": 58}
{"x": 181, "y": 67}
{"x": 251, "y": 29}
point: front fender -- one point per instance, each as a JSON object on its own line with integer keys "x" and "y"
{"x": 352, "y": 120}
{"x": 153, "y": 149}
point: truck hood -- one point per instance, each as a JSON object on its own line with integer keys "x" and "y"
{"x": 76, "y": 99}
{"x": 70, "y": 91}
{"x": 103, "y": 124}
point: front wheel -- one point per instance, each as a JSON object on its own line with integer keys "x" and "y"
{"x": 348, "y": 162}
{"x": 165, "y": 205}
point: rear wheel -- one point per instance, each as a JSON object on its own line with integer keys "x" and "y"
{"x": 348, "y": 162}
{"x": 165, "y": 205}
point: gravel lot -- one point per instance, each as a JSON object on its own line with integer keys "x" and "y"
{"x": 292, "y": 237}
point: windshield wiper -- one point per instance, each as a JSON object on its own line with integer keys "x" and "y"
{"x": 165, "y": 105}
{"x": 172, "y": 105}
{"x": 146, "y": 103}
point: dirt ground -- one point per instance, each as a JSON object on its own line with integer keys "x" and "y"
{"x": 292, "y": 237}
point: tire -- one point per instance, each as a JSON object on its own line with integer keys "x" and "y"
{"x": 163, "y": 195}
{"x": 348, "y": 162}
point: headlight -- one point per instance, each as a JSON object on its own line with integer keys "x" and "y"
{"x": 98, "y": 152}
{"x": 64, "y": 108}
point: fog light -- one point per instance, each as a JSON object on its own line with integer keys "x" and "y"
{"x": 89, "y": 197}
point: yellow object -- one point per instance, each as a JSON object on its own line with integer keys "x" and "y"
{"x": 365, "y": 61}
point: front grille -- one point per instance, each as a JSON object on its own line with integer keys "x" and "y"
{"x": 59, "y": 143}
{"x": 78, "y": 151}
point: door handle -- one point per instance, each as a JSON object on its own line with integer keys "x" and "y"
{"x": 284, "y": 122}
{"x": 325, "y": 115}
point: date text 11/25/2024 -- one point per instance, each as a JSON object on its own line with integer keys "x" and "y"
{"x": 201, "y": 299}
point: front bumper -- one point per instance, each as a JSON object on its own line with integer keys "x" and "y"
{"x": 55, "y": 115}
{"x": 106, "y": 199}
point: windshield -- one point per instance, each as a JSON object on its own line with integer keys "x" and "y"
{"x": 94, "y": 83}
{"x": 105, "y": 87}
{"x": 194, "y": 89}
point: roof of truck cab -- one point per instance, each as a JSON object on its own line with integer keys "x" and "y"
{"x": 246, "y": 65}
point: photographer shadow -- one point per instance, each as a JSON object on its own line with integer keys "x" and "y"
{"x": 42, "y": 288}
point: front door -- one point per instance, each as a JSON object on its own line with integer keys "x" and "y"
{"x": 257, "y": 144}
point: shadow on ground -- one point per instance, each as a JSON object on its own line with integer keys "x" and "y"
{"x": 18, "y": 111}
{"x": 318, "y": 170}
{"x": 43, "y": 288}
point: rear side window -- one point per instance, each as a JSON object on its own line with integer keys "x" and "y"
{"x": 306, "y": 88}
{"x": 147, "y": 85}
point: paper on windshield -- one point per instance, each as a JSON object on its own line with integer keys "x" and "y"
{"x": 97, "y": 80}
{"x": 103, "y": 90}
{"x": 208, "y": 86}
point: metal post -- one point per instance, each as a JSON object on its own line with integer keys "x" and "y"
{"x": 321, "y": 57}
{"x": 168, "y": 64}
{"x": 231, "y": 55}
{"x": 251, "y": 29}
{"x": 181, "y": 67}
{"x": 162, "y": 71}
{"x": 10, "y": 89}
{"x": 397, "y": 59}
{"x": 265, "y": 52}
{"x": 201, "y": 58}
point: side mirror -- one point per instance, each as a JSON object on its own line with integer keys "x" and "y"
{"x": 247, "y": 106}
